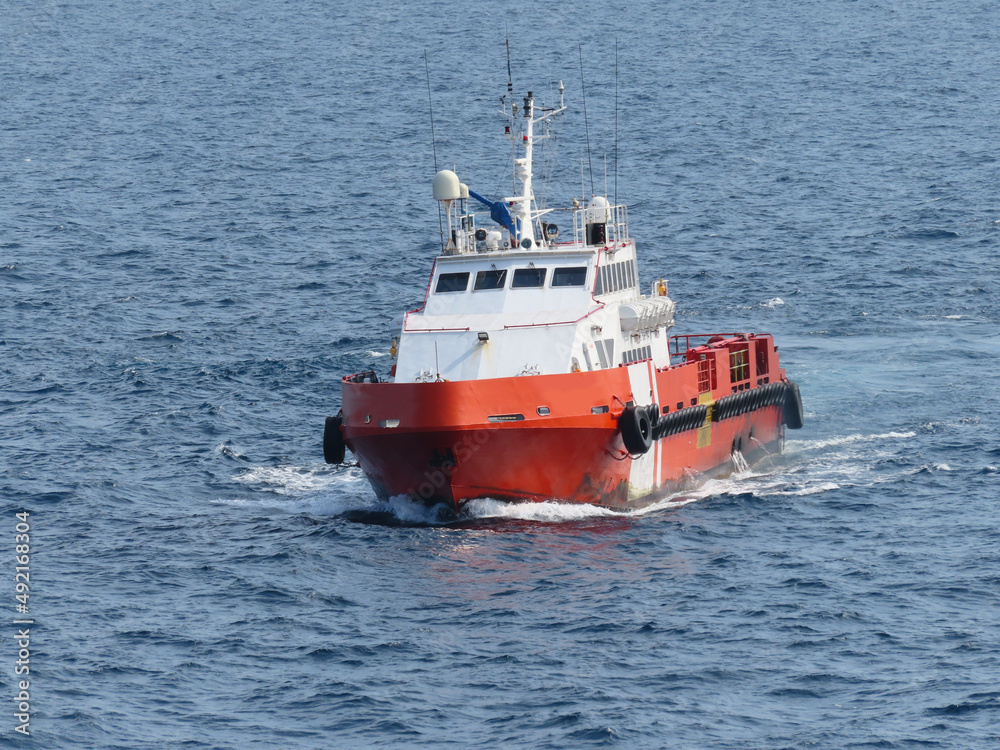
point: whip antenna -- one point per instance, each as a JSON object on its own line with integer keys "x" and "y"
{"x": 616, "y": 121}
{"x": 586, "y": 126}
{"x": 510, "y": 93}
{"x": 510, "y": 78}
{"x": 430, "y": 107}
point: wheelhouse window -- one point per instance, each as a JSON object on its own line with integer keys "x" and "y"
{"x": 525, "y": 278}
{"x": 569, "y": 276}
{"x": 452, "y": 282}
{"x": 490, "y": 280}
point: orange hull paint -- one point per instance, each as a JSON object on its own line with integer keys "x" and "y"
{"x": 454, "y": 441}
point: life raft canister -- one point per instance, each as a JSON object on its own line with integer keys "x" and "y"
{"x": 793, "y": 406}
{"x": 333, "y": 440}
{"x": 637, "y": 429}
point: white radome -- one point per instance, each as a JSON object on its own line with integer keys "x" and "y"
{"x": 446, "y": 186}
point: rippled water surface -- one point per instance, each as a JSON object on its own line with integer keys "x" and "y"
{"x": 212, "y": 211}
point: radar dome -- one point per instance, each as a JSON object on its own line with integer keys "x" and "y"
{"x": 446, "y": 186}
{"x": 598, "y": 210}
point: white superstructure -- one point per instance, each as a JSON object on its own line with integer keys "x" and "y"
{"x": 512, "y": 300}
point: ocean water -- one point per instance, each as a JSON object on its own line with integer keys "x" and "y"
{"x": 212, "y": 211}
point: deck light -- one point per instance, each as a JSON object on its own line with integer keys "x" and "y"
{"x": 483, "y": 337}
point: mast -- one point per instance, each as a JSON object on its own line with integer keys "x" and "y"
{"x": 522, "y": 169}
{"x": 522, "y": 204}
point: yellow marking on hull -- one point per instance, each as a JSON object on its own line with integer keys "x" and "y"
{"x": 705, "y": 431}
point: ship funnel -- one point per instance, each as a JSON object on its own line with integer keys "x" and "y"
{"x": 446, "y": 186}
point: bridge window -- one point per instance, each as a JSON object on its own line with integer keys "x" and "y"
{"x": 491, "y": 279}
{"x": 525, "y": 278}
{"x": 570, "y": 276}
{"x": 452, "y": 282}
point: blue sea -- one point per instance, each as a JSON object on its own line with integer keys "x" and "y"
{"x": 211, "y": 212}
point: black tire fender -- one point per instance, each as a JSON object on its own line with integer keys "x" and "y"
{"x": 794, "y": 417}
{"x": 636, "y": 429}
{"x": 772, "y": 393}
{"x": 333, "y": 440}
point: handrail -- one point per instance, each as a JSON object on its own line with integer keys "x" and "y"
{"x": 557, "y": 322}
{"x": 727, "y": 336}
{"x": 360, "y": 377}
{"x": 431, "y": 330}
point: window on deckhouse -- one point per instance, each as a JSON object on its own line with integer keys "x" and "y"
{"x": 570, "y": 276}
{"x": 525, "y": 278}
{"x": 452, "y": 282}
{"x": 490, "y": 280}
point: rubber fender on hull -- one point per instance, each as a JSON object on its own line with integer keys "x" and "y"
{"x": 749, "y": 401}
{"x": 333, "y": 441}
{"x": 683, "y": 420}
{"x": 794, "y": 417}
{"x": 637, "y": 429}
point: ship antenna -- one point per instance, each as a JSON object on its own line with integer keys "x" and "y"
{"x": 430, "y": 107}
{"x": 616, "y": 121}
{"x": 510, "y": 93}
{"x": 585, "y": 124}
{"x": 510, "y": 78}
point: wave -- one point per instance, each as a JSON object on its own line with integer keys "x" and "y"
{"x": 811, "y": 490}
{"x": 293, "y": 480}
{"x": 318, "y": 506}
{"x": 808, "y": 467}
{"x": 547, "y": 511}
{"x": 804, "y": 445}
{"x": 403, "y": 510}
{"x": 318, "y": 489}
{"x": 335, "y": 491}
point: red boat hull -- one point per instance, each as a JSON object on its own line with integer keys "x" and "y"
{"x": 558, "y": 437}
